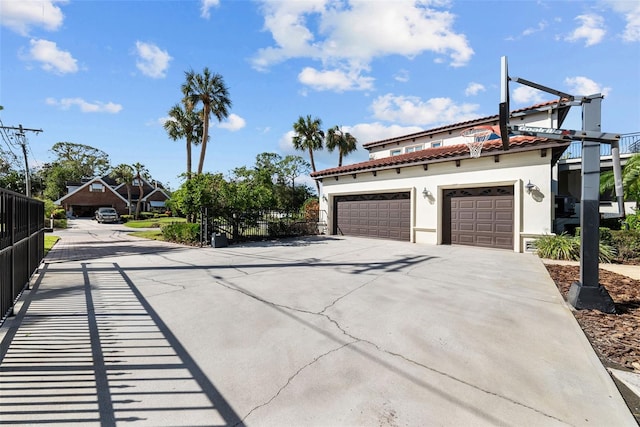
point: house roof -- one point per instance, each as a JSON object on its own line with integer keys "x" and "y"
{"x": 447, "y": 153}
{"x": 491, "y": 120}
{"x": 85, "y": 185}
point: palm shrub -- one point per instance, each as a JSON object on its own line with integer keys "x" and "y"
{"x": 562, "y": 247}
{"x": 566, "y": 247}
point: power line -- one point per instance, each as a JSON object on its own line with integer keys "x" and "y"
{"x": 20, "y": 137}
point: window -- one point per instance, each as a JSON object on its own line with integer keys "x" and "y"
{"x": 396, "y": 152}
{"x": 436, "y": 144}
{"x": 96, "y": 187}
{"x": 413, "y": 148}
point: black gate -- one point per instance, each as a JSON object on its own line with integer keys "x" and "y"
{"x": 21, "y": 245}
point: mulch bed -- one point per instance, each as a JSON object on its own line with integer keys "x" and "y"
{"x": 615, "y": 337}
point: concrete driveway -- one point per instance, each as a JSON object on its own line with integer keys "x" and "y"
{"x": 319, "y": 331}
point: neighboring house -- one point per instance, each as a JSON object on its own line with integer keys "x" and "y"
{"x": 83, "y": 199}
{"x": 425, "y": 188}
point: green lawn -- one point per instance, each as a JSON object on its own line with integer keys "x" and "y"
{"x": 153, "y": 234}
{"x": 49, "y": 241}
{"x": 152, "y": 222}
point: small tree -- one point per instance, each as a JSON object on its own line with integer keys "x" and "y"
{"x": 344, "y": 142}
{"x": 308, "y": 137}
{"x": 123, "y": 174}
{"x": 141, "y": 173}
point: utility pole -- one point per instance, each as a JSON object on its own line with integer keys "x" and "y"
{"x": 21, "y": 138}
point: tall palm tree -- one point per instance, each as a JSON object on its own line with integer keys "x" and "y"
{"x": 630, "y": 180}
{"x": 308, "y": 136}
{"x": 140, "y": 174}
{"x": 123, "y": 174}
{"x": 343, "y": 141}
{"x": 185, "y": 123}
{"x": 209, "y": 90}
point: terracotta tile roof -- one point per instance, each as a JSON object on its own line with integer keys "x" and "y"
{"x": 491, "y": 120}
{"x": 444, "y": 153}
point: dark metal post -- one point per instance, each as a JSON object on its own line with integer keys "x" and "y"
{"x": 588, "y": 293}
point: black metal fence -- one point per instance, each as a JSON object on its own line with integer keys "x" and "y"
{"x": 21, "y": 245}
{"x": 255, "y": 225}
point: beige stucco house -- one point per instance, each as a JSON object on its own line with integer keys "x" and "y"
{"x": 425, "y": 188}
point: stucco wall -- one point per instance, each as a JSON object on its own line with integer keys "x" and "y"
{"x": 533, "y": 212}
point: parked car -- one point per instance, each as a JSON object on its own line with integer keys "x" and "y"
{"x": 107, "y": 215}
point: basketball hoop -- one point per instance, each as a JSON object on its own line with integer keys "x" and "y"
{"x": 475, "y": 139}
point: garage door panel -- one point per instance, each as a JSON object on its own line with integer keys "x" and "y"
{"x": 481, "y": 217}
{"x": 374, "y": 215}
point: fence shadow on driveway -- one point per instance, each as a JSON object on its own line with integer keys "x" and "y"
{"x": 98, "y": 354}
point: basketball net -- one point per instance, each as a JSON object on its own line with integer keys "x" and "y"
{"x": 475, "y": 139}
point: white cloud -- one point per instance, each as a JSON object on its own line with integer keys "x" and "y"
{"x": 85, "y": 107}
{"x": 474, "y": 88}
{"x": 206, "y": 5}
{"x": 402, "y": 76}
{"x": 51, "y": 58}
{"x": 336, "y": 80}
{"x": 21, "y": 15}
{"x": 631, "y": 12}
{"x": 152, "y": 61}
{"x": 232, "y": 123}
{"x": 526, "y": 95}
{"x": 580, "y": 85}
{"x": 349, "y": 35}
{"x": 591, "y": 29}
{"x": 542, "y": 25}
{"x": 412, "y": 110}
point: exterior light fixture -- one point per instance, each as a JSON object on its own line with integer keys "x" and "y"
{"x": 426, "y": 193}
{"x": 530, "y": 187}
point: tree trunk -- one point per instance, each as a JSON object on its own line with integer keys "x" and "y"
{"x": 139, "y": 198}
{"x": 313, "y": 168}
{"x": 188, "y": 159}
{"x": 129, "y": 197}
{"x": 205, "y": 136}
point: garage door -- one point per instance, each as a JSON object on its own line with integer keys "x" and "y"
{"x": 386, "y": 216}
{"x": 479, "y": 217}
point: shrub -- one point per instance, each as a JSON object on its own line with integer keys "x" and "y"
{"x": 181, "y": 232}
{"x": 126, "y": 218}
{"x": 627, "y": 244}
{"x": 605, "y": 235}
{"x": 311, "y": 209}
{"x": 566, "y": 247}
{"x": 562, "y": 247}
{"x": 146, "y": 215}
{"x": 631, "y": 222}
{"x": 60, "y": 223}
{"x": 59, "y": 213}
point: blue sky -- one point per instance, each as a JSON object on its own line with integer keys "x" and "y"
{"x": 105, "y": 73}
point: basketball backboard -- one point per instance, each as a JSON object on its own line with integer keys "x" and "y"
{"x": 504, "y": 111}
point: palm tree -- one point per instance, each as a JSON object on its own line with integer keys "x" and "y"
{"x": 185, "y": 123}
{"x": 308, "y": 136}
{"x": 630, "y": 180}
{"x": 343, "y": 141}
{"x": 123, "y": 174}
{"x": 141, "y": 173}
{"x": 209, "y": 90}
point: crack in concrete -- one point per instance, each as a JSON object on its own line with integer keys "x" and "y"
{"x": 356, "y": 339}
{"x": 290, "y": 379}
{"x": 346, "y": 295}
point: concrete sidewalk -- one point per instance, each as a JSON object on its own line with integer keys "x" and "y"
{"x": 317, "y": 331}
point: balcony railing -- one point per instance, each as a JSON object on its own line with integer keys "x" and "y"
{"x": 629, "y": 144}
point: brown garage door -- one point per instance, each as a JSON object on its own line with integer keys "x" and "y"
{"x": 479, "y": 217}
{"x": 386, "y": 216}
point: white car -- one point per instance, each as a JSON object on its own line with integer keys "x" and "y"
{"x": 107, "y": 215}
